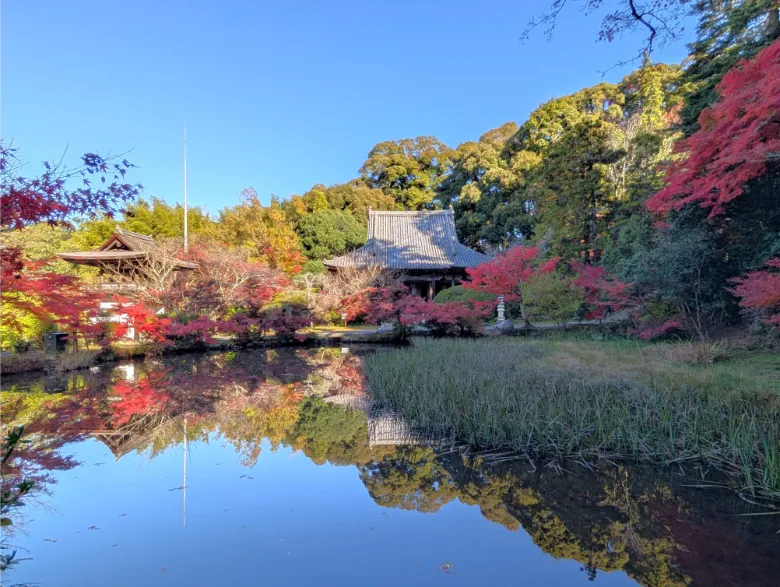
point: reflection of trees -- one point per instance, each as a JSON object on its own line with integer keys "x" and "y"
{"x": 611, "y": 520}
{"x": 411, "y": 478}
{"x": 617, "y": 519}
{"x": 332, "y": 433}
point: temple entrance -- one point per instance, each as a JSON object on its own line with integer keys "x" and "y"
{"x": 429, "y": 288}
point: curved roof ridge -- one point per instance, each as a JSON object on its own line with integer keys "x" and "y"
{"x": 121, "y": 230}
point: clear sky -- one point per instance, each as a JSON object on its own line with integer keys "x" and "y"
{"x": 280, "y": 95}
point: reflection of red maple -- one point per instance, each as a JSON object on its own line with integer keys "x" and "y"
{"x": 141, "y": 398}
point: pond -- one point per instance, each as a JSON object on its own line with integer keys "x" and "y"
{"x": 275, "y": 467}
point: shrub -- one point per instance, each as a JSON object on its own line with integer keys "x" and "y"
{"x": 314, "y": 266}
{"x": 461, "y": 294}
{"x": 22, "y": 346}
{"x": 551, "y": 296}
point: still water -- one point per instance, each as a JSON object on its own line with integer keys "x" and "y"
{"x": 274, "y": 468}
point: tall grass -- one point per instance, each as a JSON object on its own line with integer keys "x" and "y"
{"x": 532, "y": 396}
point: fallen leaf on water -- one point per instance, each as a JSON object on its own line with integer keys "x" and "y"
{"x": 93, "y": 528}
{"x": 49, "y": 540}
{"x": 113, "y": 545}
{"x": 98, "y": 464}
{"x": 122, "y": 515}
{"x": 178, "y": 488}
{"x": 446, "y": 568}
{"x": 242, "y": 476}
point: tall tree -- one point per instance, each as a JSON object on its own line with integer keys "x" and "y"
{"x": 327, "y": 233}
{"x": 353, "y": 196}
{"x": 264, "y": 230}
{"x": 154, "y": 218}
{"x": 574, "y": 198}
{"x": 486, "y": 190}
{"x": 409, "y": 170}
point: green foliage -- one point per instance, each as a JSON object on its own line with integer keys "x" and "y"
{"x": 323, "y": 428}
{"x": 409, "y": 170}
{"x": 461, "y": 294}
{"x": 314, "y": 266}
{"x": 328, "y": 233}
{"x": 353, "y": 196}
{"x": 486, "y": 190}
{"x": 154, "y": 218}
{"x": 575, "y": 199}
{"x": 552, "y": 296}
{"x": 22, "y": 346}
{"x": 42, "y": 242}
{"x": 680, "y": 267}
{"x": 286, "y": 297}
{"x": 31, "y": 333}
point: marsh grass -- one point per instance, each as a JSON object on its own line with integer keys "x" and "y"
{"x": 566, "y": 397}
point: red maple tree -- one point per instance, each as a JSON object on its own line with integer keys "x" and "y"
{"x": 604, "y": 293}
{"x": 759, "y": 291}
{"x": 51, "y": 197}
{"x": 508, "y": 272}
{"x": 739, "y": 137}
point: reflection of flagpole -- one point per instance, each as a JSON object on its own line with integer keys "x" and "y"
{"x": 186, "y": 235}
{"x": 184, "y": 481}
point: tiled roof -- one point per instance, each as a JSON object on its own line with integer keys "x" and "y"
{"x": 132, "y": 241}
{"x": 411, "y": 240}
{"x": 123, "y": 245}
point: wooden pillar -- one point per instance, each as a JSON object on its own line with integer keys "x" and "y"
{"x": 431, "y": 289}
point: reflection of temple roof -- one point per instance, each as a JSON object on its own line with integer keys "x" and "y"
{"x": 386, "y": 427}
{"x": 131, "y": 436}
{"x": 411, "y": 240}
{"x": 122, "y": 245}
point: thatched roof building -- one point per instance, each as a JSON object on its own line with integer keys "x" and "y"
{"x": 422, "y": 245}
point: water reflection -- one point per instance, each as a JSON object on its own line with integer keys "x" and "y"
{"x": 645, "y": 523}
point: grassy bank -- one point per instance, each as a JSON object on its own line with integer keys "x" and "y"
{"x": 577, "y": 397}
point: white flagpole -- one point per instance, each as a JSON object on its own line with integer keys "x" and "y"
{"x": 186, "y": 235}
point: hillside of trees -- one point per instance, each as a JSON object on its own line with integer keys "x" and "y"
{"x": 668, "y": 182}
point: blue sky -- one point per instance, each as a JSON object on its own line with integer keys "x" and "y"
{"x": 278, "y": 96}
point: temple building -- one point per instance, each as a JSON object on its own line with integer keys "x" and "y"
{"x": 123, "y": 257}
{"x": 125, "y": 262}
{"x": 422, "y": 245}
